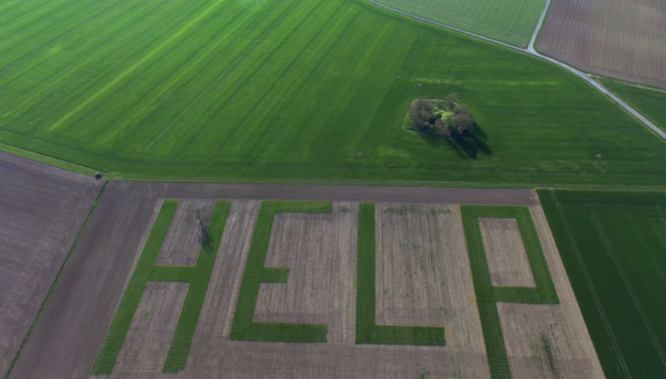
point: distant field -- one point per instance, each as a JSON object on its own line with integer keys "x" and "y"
{"x": 508, "y": 21}
{"x": 649, "y": 101}
{"x": 618, "y": 38}
{"x": 612, "y": 245}
{"x": 295, "y": 90}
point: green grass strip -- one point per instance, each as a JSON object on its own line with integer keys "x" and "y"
{"x": 275, "y": 275}
{"x": 197, "y": 276}
{"x": 243, "y": 327}
{"x": 488, "y": 295}
{"x": 367, "y": 332}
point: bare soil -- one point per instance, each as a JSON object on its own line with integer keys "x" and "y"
{"x": 185, "y": 235}
{"x": 151, "y": 331}
{"x": 73, "y": 324}
{"x": 505, "y": 252}
{"x": 320, "y": 252}
{"x": 549, "y": 341}
{"x": 618, "y": 38}
{"x": 42, "y": 210}
{"x": 219, "y": 306}
{"x": 424, "y": 278}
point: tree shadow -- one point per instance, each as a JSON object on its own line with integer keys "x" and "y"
{"x": 469, "y": 146}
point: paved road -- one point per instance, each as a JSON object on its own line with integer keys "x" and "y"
{"x": 532, "y": 51}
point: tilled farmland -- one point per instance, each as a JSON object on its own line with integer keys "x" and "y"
{"x": 42, "y": 210}
{"x": 617, "y": 38}
{"x": 307, "y": 278}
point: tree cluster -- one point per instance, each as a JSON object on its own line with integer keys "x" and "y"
{"x": 446, "y": 118}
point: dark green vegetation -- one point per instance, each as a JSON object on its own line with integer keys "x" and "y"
{"x": 651, "y": 102}
{"x": 613, "y": 246}
{"x": 197, "y": 276}
{"x": 243, "y": 328}
{"x": 367, "y": 332}
{"x": 295, "y": 90}
{"x": 487, "y": 295}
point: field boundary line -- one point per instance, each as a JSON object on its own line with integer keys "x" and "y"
{"x": 55, "y": 281}
{"x": 531, "y": 51}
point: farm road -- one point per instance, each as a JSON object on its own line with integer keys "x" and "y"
{"x": 532, "y": 51}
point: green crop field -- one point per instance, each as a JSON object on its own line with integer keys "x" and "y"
{"x": 613, "y": 246}
{"x": 294, "y": 90}
{"x": 511, "y": 21}
{"x": 651, "y": 102}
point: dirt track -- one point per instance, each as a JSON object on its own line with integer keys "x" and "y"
{"x": 42, "y": 210}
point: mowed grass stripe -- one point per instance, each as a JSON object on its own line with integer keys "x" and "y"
{"x": 80, "y": 80}
{"x": 283, "y": 29}
{"x": 144, "y": 59}
{"x": 31, "y": 70}
{"x": 365, "y": 58}
{"x": 185, "y": 83}
{"x": 167, "y": 65}
{"x": 179, "y": 80}
{"x": 226, "y": 60}
{"x": 266, "y": 102}
{"x": 281, "y": 96}
{"x": 300, "y": 116}
{"x": 37, "y": 79}
{"x": 26, "y": 15}
{"x": 40, "y": 34}
{"x": 366, "y": 98}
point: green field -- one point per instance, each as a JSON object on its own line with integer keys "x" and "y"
{"x": 510, "y": 21}
{"x": 613, "y": 246}
{"x": 651, "y": 102}
{"x": 293, "y": 90}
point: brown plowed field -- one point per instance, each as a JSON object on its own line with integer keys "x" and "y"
{"x": 73, "y": 325}
{"x": 625, "y": 39}
{"x": 505, "y": 251}
{"x": 154, "y": 323}
{"x": 42, "y": 210}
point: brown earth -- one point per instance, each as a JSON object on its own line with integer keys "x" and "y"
{"x": 617, "y": 38}
{"x": 505, "y": 252}
{"x": 152, "y": 328}
{"x": 549, "y": 341}
{"x": 42, "y": 210}
{"x": 424, "y": 278}
{"x": 72, "y": 327}
{"x": 320, "y": 252}
{"x": 183, "y": 241}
